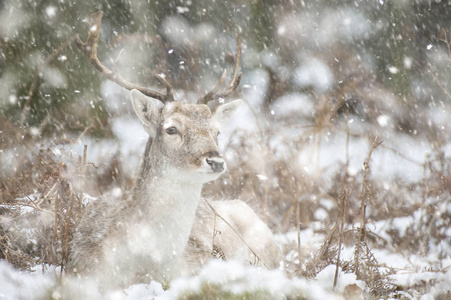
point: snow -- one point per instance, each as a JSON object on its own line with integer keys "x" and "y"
{"x": 404, "y": 162}
{"x": 293, "y": 103}
{"x": 12, "y": 21}
{"x": 235, "y": 278}
{"x": 182, "y": 34}
{"x": 314, "y": 73}
{"x": 232, "y": 277}
{"x": 325, "y": 27}
{"x": 54, "y": 77}
{"x": 326, "y": 277}
{"x": 228, "y": 277}
{"x": 393, "y": 69}
{"x": 298, "y": 56}
{"x": 270, "y": 59}
{"x": 412, "y": 278}
{"x": 383, "y": 120}
{"x": 129, "y": 142}
{"x": 51, "y": 11}
{"x": 131, "y": 138}
{"x": 321, "y": 214}
{"x": 24, "y": 285}
{"x": 346, "y": 24}
{"x": 407, "y": 62}
{"x": 8, "y": 79}
{"x": 255, "y": 86}
{"x": 144, "y": 291}
{"x": 177, "y": 30}
{"x": 21, "y": 208}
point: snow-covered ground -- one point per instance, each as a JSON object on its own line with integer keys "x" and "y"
{"x": 215, "y": 281}
{"x": 218, "y": 279}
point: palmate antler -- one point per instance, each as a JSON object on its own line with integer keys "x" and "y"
{"x": 90, "y": 49}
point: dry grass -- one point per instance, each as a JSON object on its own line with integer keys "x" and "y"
{"x": 42, "y": 203}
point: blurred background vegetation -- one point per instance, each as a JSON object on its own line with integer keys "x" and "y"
{"x": 373, "y": 41}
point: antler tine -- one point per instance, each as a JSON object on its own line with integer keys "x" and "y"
{"x": 234, "y": 82}
{"x": 209, "y": 96}
{"x": 90, "y": 49}
{"x": 236, "y": 78}
{"x": 169, "y": 89}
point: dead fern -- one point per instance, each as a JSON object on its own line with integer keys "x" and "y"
{"x": 326, "y": 255}
{"x": 41, "y": 209}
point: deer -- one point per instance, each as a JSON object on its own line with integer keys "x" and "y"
{"x": 163, "y": 223}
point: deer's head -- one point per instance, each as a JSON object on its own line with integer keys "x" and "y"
{"x": 185, "y": 136}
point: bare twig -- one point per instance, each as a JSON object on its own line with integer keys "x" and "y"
{"x": 236, "y": 232}
{"x": 343, "y": 203}
{"x": 33, "y": 204}
{"x": 80, "y": 137}
{"x": 341, "y": 220}
{"x": 214, "y": 234}
{"x": 445, "y": 90}
{"x": 362, "y": 229}
{"x": 398, "y": 153}
{"x": 56, "y": 205}
{"x": 52, "y": 189}
{"x": 444, "y": 38}
{"x": 298, "y": 226}
{"x": 347, "y": 141}
{"x": 28, "y": 205}
{"x": 83, "y": 163}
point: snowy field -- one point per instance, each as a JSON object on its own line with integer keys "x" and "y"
{"x": 417, "y": 276}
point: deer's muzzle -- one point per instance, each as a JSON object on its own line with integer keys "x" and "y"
{"x": 216, "y": 164}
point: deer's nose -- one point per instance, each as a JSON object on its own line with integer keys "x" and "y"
{"x": 216, "y": 164}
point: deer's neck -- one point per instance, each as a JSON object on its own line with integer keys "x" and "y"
{"x": 159, "y": 219}
{"x": 162, "y": 191}
{"x": 161, "y": 196}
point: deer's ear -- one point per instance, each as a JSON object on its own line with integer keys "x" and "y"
{"x": 148, "y": 110}
{"x": 224, "y": 112}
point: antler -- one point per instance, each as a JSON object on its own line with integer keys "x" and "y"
{"x": 90, "y": 49}
{"x": 234, "y": 82}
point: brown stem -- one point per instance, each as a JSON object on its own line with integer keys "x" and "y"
{"x": 236, "y": 232}
{"x": 362, "y": 228}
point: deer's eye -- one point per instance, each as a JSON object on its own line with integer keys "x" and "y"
{"x": 171, "y": 130}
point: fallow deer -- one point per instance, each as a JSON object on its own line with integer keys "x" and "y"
{"x": 122, "y": 241}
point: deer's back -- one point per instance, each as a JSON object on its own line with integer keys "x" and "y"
{"x": 210, "y": 234}
{"x": 86, "y": 247}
